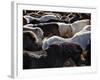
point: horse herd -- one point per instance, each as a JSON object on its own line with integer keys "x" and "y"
{"x": 55, "y": 40}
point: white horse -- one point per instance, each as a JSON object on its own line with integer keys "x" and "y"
{"x": 68, "y": 30}
{"x": 82, "y": 39}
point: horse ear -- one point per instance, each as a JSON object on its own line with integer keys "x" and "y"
{"x": 83, "y": 56}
